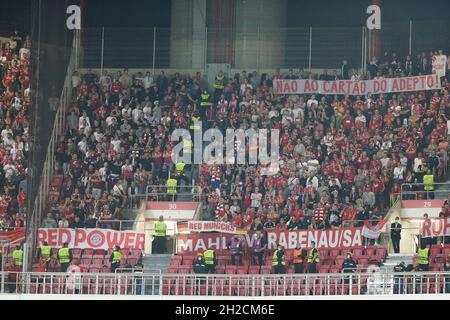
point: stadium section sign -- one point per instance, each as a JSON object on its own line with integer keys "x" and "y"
{"x": 356, "y": 88}
{"x": 91, "y": 238}
{"x": 326, "y": 239}
{"x": 177, "y": 211}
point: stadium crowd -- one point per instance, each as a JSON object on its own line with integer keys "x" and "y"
{"x": 342, "y": 158}
{"x": 14, "y": 140}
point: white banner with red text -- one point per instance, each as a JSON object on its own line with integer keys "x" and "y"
{"x": 439, "y": 64}
{"x": 436, "y": 228}
{"x": 91, "y": 238}
{"x": 327, "y": 239}
{"x": 356, "y": 88}
{"x": 207, "y": 226}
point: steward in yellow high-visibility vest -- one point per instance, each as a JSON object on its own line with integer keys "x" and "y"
{"x": 193, "y": 126}
{"x": 17, "y": 256}
{"x": 205, "y": 99}
{"x": 313, "y": 258}
{"x": 424, "y": 259}
{"x": 46, "y": 252}
{"x": 179, "y": 168}
{"x": 115, "y": 259}
{"x": 205, "y": 103}
{"x": 219, "y": 81}
{"x": 171, "y": 185}
{"x": 159, "y": 244}
{"x": 210, "y": 259}
{"x": 428, "y": 184}
{"x": 278, "y": 261}
{"x": 64, "y": 257}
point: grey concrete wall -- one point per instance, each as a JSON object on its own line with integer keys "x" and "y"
{"x": 259, "y": 37}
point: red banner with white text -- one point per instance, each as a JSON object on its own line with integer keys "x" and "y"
{"x": 327, "y": 239}
{"x": 356, "y": 88}
{"x": 91, "y": 238}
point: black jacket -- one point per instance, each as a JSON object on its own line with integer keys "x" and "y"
{"x": 396, "y": 229}
{"x": 199, "y": 266}
{"x": 349, "y": 265}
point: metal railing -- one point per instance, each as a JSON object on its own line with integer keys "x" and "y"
{"x": 120, "y": 225}
{"x": 145, "y": 283}
{"x": 252, "y": 47}
{"x": 416, "y": 191}
{"x": 183, "y": 193}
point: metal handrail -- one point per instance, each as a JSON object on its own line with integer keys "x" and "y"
{"x": 114, "y": 223}
{"x": 50, "y": 160}
{"x": 145, "y": 283}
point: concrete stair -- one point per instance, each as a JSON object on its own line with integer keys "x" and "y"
{"x": 157, "y": 262}
{"x": 394, "y": 259}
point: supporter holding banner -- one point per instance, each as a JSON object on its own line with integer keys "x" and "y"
{"x": 372, "y": 232}
{"x": 436, "y": 228}
{"x": 356, "y": 88}
{"x": 91, "y": 238}
{"x": 439, "y": 64}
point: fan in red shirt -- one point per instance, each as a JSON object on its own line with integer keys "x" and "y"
{"x": 320, "y": 212}
{"x": 237, "y": 221}
{"x": 348, "y": 213}
{"x": 347, "y": 121}
{"x": 247, "y": 218}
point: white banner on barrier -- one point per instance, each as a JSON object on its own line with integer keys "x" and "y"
{"x": 356, "y": 88}
{"x": 91, "y": 238}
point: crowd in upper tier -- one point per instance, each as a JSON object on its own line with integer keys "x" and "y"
{"x": 343, "y": 159}
{"x": 14, "y": 125}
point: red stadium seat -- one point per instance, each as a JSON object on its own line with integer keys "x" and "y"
{"x": 322, "y": 269}
{"x": 357, "y": 252}
{"x": 369, "y": 251}
{"x": 381, "y": 252}
{"x": 230, "y": 269}
{"x": 172, "y": 269}
{"x": 99, "y": 252}
{"x": 242, "y": 270}
{"x": 265, "y": 270}
{"x": 220, "y": 270}
{"x": 175, "y": 263}
{"x": 88, "y": 251}
{"x": 184, "y": 270}
{"x": 334, "y": 253}
{"x": 97, "y": 262}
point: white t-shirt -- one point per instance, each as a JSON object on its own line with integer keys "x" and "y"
{"x": 311, "y": 101}
{"x": 417, "y": 163}
{"x": 256, "y": 200}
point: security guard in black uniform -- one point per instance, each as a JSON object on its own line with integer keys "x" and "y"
{"x": 199, "y": 266}
{"x": 349, "y": 266}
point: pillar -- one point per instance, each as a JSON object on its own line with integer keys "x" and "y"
{"x": 188, "y": 34}
{"x": 259, "y": 37}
